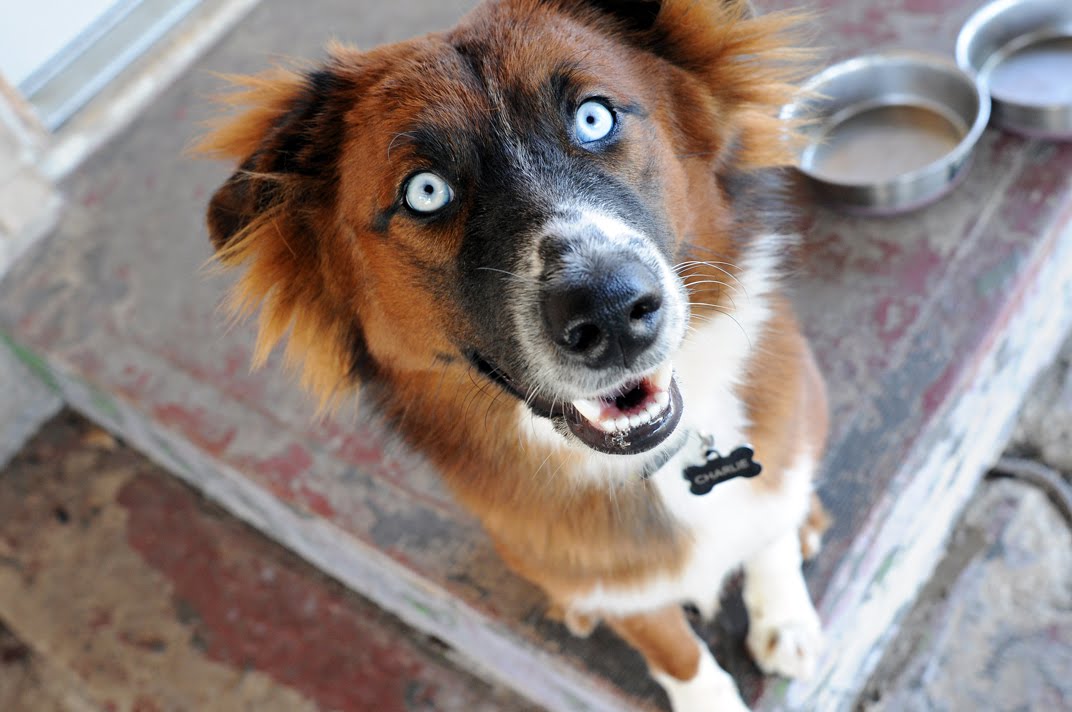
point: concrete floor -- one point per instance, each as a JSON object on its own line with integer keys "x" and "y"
{"x": 104, "y": 604}
{"x": 121, "y": 590}
{"x": 993, "y": 629}
{"x": 28, "y": 684}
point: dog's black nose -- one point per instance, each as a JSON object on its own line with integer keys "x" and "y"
{"x": 606, "y": 315}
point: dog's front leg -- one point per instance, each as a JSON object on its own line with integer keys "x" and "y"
{"x": 679, "y": 661}
{"x": 784, "y": 632}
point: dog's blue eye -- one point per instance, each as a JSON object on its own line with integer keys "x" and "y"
{"x": 427, "y": 193}
{"x": 594, "y": 121}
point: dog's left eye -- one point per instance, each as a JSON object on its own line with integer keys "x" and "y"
{"x": 594, "y": 121}
{"x": 427, "y": 193}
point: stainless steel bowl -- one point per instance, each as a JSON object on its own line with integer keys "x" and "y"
{"x": 888, "y": 133}
{"x": 1021, "y": 50}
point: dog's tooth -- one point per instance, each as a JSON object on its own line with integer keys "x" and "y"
{"x": 654, "y": 411}
{"x": 637, "y": 420}
{"x": 662, "y": 399}
{"x": 622, "y": 423}
{"x": 609, "y": 425}
{"x": 589, "y": 410}
{"x": 661, "y": 379}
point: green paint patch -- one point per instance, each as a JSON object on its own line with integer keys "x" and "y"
{"x": 103, "y": 405}
{"x": 37, "y": 365}
{"x": 427, "y": 611}
{"x": 996, "y": 279}
{"x": 887, "y": 564}
{"x": 778, "y": 690}
{"x": 573, "y": 701}
{"x": 169, "y": 452}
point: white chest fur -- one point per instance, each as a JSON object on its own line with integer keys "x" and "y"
{"x": 736, "y": 519}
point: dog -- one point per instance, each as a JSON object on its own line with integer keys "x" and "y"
{"x": 547, "y": 245}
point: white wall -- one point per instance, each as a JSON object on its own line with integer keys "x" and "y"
{"x": 34, "y": 31}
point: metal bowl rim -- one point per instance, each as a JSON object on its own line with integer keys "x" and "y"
{"x": 979, "y": 19}
{"x": 954, "y": 158}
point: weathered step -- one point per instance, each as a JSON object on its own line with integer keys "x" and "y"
{"x": 993, "y": 629}
{"x": 129, "y": 592}
{"x": 929, "y": 328}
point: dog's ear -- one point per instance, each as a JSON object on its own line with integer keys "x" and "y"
{"x": 642, "y": 15}
{"x": 285, "y": 143}
{"x": 741, "y": 65}
{"x": 275, "y": 217}
{"x": 634, "y": 15}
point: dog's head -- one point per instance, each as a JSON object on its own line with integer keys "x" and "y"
{"x": 513, "y": 197}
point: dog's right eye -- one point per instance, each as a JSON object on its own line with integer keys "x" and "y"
{"x": 594, "y": 121}
{"x": 427, "y": 193}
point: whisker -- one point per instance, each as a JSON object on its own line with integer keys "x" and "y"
{"x": 718, "y": 266}
{"x": 397, "y": 136}
{"x": 614, "y": 502}
{"x": 554, "y": 475}
{"x": 533, "y": 394}
{"x": 693, "y": 292}
{"x": 727, "y": 314}
{"x": 512, "y": 275}
{"x": 699, "y": 282}
{"x": 537, "y": 472}
{"x": 479, "y": 390}
{"x": 709, "y": 281}
{"x": 707, "y": 262}
{"x": 491, "y": 405}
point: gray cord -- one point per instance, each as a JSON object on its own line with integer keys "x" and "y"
{"x": 1045, "y": 478}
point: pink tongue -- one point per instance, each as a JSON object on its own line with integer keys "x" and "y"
{"x": 637, "y": 440}
{"x": 635, "y": 402}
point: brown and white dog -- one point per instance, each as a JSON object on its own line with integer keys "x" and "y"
{"x": 547, "y": 245}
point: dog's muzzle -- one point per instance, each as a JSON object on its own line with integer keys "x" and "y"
{"x": 603, "y": 314}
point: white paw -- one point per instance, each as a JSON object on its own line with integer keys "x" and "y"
{"x": 712, "y": 690}
{"x": 791, "y": 648}
{"x": 726, "y": 703}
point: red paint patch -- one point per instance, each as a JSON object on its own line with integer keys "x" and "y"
{"x": 144, "y": 704}
{"x": 196, "y": 426}
{"x": 136, "y": 383}
{"x": 86, "y": 360}
{"x": 362, "y": 449}
{"x": 236, "y": 362}
{"x": 316, "y": 502}
{"x": 937, "y": 394}
{"x": 932, "y": 7}
{"x": 246, "y": 388}
{"x": 95, "y": 196}
{"x": 100, "y": 618}
{"x": 894, "y": 317}
{"x": 289, "y": 626}
{"x": 917, "y": 271}
{"x": 283, "y": 468}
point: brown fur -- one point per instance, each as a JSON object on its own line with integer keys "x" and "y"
{"x": 789, "y": 409}
{"x": 664, "y": 638}
{"x": 323, "y": 275}
{"x": 814, "y": 528}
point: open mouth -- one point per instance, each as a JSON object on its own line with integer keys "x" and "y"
{"x": 637, "y": 417}
{"x": 634, "y": 418}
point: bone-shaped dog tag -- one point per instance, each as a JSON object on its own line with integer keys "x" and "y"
{"x": 718, "y": 469}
